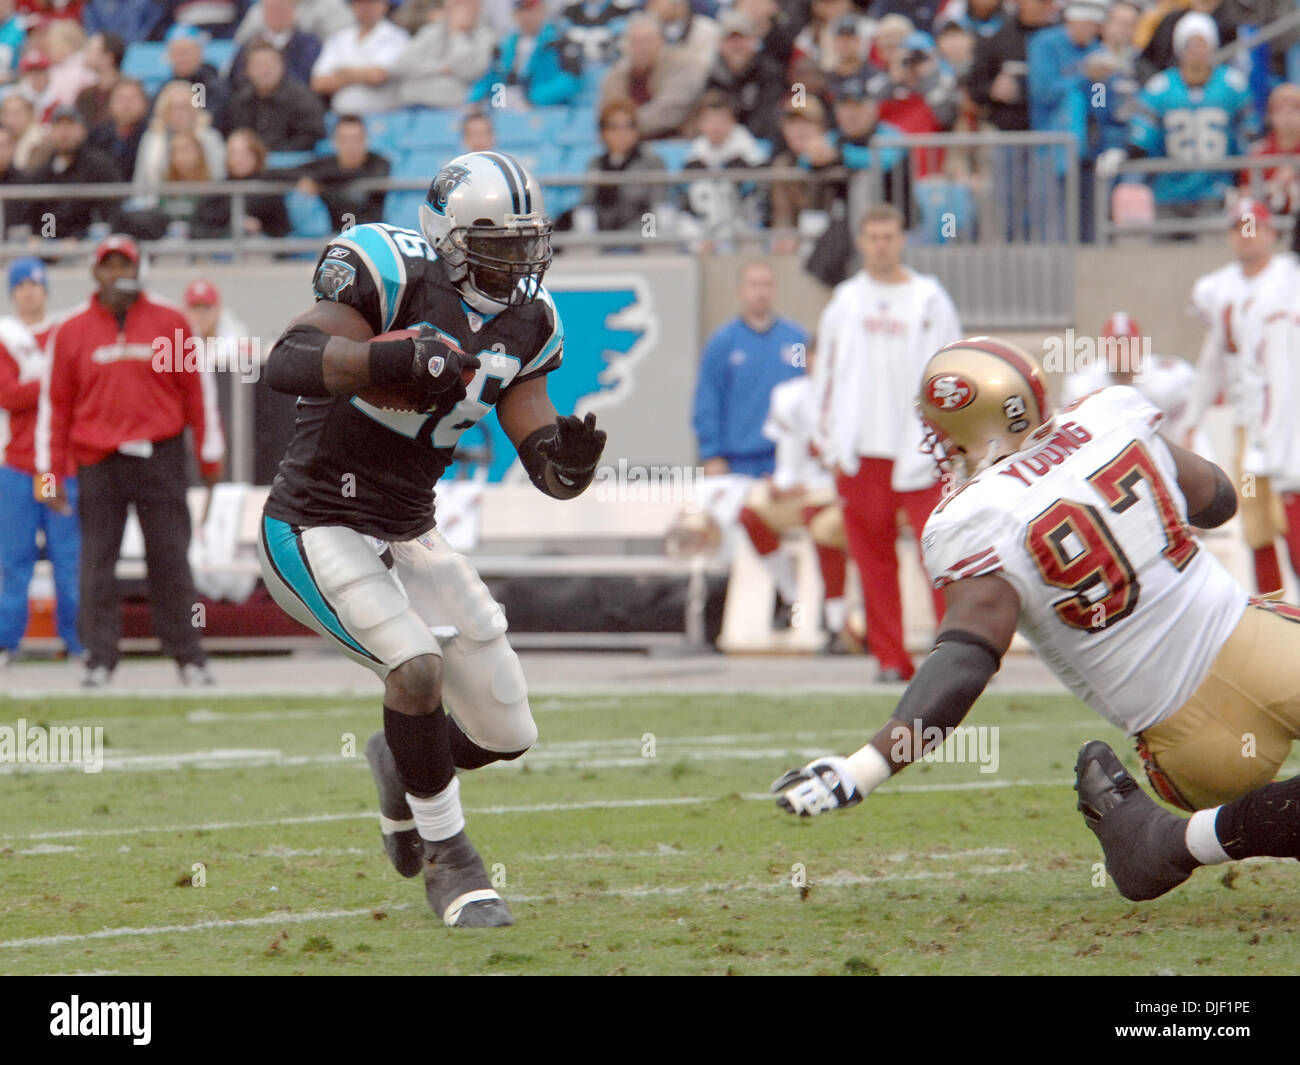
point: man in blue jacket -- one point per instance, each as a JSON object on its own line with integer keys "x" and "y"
{"x": 742, "y": 362}
{"x": 537, "y": 62}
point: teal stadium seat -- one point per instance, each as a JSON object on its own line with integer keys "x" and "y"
{"x": 219, "y": 53}
{"x": 418, "y": 163}
{"x": 146, "y": 61}
{"x": 433, "y": 128}
{"x": 285, "y": 160}
{"x": 672, "y": 152}
{"x": 402, "y": 208}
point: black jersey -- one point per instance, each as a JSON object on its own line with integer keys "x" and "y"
{"x": 373, "y": 470}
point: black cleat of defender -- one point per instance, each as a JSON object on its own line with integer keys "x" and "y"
{"x": 1144, "y": 847}
{"x": 458, "y": 888}
{"x": 402, "y": 841}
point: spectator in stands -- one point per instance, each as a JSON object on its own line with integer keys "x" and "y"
{"x": 614, "y": 207}
{"x": 476, "y": 132}
{"x": 981, "y": 18}
{"x": 331, "y": 178}
{"x": 18, "y": 116}
{"x": 104, "y": 59}
{"x": 69, "y": 70}
{"x": 663, "y": 84}
{"x": 1216, "y": 100}
{"x": 848, "y": 52}
{"x": 1060, "y": 91}
{"x": 814, "y": 39}
{"x": 318, "y": 18}
{"x": 1120, "y": 69}
{"x": 132, "y": 20}
{"x": 72, "y": 162}
{"x": 185, "y": 56}
{"x": 13, "y": 33}
{"x": 118, "y": 136}
{"x": 1058, "y": 86}
{"x": 917, "y": 96}
{"x": 742, "y": 362}
{"x": 713, "y": 209}
{"x": 754, "y": 81}
{"x": 299, "y": 49}
{"x": 805, "y": 130}
{"x": 998, "y": 86}
{"x": 355, "y": 68}
{"x": 776, "y": 25}
{"x": 263, "y": 213}
{"x": 535, "y": 66}
{"x": 12, "y": 212}
{"x": 1160, "y": 53}
{"x": 185, "y": 162}
{"x": 805, "y": 72}
{"x": 1280, "y": 184}
{"x": 44, "y": 12}
{"x": 891, "y": 33}
{"x": 857, "y": 123}
{"x": 955, "y": 45}
{"x": 446, "y": 58}
{"x": 284, "y": 113}
{"x": 695, "y": 34}
{"x": 920, "y": 13}
{"x": 217, "y": 19}
{"x": 24, "y": 359}
{"x": 597, "y": 26}
{"x": 122, "y": 421}
{"x": 175, "y": 112}
{"x": 34, "y": 82}
{"x": 999, "y": 72}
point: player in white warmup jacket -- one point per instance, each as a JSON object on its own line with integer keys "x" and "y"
{"x": 1223, "y": 299}
{"x": 1074, "y": 528}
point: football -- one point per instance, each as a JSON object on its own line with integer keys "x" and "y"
{"x": 399, "y": 397}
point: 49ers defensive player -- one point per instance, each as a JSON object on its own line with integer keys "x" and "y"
{"x": 1074, "y": 529}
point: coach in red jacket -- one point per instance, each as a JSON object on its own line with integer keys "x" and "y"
{"x": 119, "y": 396}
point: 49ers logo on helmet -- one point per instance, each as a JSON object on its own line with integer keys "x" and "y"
{"x": 949, "y": 392}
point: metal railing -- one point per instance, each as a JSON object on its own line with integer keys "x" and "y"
{"x": 1212, "y": 222}
{"x": 865, "y": 186}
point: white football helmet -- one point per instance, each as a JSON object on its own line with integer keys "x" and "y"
{"x": 485, "y": 218}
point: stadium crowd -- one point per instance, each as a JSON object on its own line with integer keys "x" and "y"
{"x": 155, "y": 93}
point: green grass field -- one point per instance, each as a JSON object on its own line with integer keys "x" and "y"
{"x": 613, "y": 862}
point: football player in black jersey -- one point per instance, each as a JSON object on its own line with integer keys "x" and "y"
{"x": 348, "y": 543}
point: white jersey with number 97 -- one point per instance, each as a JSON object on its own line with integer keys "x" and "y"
{"x": 1117, "y": 595}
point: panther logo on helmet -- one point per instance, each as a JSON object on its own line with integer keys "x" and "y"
{"x": 485, "y": 219}
{"x": 446, "y": 182}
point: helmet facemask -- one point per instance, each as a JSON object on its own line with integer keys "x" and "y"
{"x": 506, "y": 265}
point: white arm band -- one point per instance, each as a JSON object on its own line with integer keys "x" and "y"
{"x": 870, "y": 769}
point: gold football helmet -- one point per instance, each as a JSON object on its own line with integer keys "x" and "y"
{"x": 981, "y": 400}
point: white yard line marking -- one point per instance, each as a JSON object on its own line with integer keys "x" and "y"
{"x": 836, "y": 880}
{"x": 553, "y": 696}
{"x": 524, "y": 808}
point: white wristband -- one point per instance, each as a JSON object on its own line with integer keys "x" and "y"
{"x": 870, "y": 769}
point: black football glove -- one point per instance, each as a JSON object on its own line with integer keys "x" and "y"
{"x": 436, "y": 370}
{"x": 574, "y": 450}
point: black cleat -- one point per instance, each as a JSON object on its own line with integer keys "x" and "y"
{"x": 1146, "y": 854}
{"x": 402, "y": 841}
{"x": 457, "y": 886}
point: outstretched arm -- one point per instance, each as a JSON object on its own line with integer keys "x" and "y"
{"x": 979, "y": 622}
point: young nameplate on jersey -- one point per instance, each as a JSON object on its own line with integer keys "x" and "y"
{"x": 1074, "y": 528}
{"x": 415, "y": 337}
